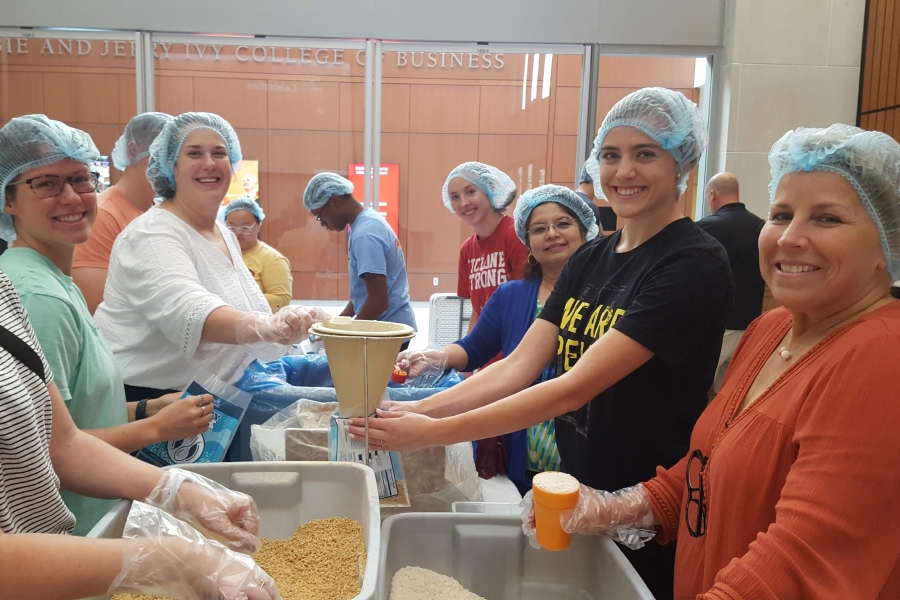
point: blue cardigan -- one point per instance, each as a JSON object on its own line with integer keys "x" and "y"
{"x": 503, "y": 322}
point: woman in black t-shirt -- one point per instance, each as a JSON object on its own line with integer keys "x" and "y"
{"x": 634, "y": 327}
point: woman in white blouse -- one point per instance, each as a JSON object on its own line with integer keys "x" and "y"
{"x": 178, "y": 296}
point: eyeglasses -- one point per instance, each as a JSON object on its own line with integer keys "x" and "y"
{"x": 47, "y": 186}
{"x": 541, "y": 229}
{"x": 695, "y": 510}
{"x": 242, "y": 229}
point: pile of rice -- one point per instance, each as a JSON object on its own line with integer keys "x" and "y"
{"x": 416, "y": 583}
{"x": 319, "y": 562}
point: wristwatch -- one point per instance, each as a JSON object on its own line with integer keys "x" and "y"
{"x": 140, "y": 412}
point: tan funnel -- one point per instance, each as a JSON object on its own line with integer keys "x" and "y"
{"x": 360, "y": 352}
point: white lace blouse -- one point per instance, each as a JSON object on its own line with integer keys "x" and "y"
{"x": 164, "y": 280}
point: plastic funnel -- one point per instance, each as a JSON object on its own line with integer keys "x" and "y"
{"x": 359, "y": 351}
{"x": 553, "y": 493}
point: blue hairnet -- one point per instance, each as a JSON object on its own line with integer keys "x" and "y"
{"x": 244, "y": 203}
{"x": 35, "y": 141}
{"x": 585, "y": 177}
{"x": 322, "y": 187}
{"x": 496, "y": 185}
{"x": 562, "y": 196}
{"x": 869, "y": 160}
{"x": 141, "y": 131}
{"x": 165, "y": 148}
{"x": 668, "y": 117}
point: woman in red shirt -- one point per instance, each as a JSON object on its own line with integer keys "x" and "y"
{"x": 789, "y": 489}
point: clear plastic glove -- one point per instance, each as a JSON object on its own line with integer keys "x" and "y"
{"x": 167, "y": 557}
{"x": 423, "y": 367}
{"x": 227, "y": 515}
{"x": 625, "y": 516}
{"x": 290, "y": 325}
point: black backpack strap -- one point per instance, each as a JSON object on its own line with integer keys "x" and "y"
{"x": 22, "y": 352}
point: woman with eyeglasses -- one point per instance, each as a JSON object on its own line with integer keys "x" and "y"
{"x": 270, "y": 269}
{"x": 552, "y": 222}
{"x": 48, "y": 207}
{"x": 179, "y": 298}
{"x": 633, "y": 327}
{"x": 789, "y": 489}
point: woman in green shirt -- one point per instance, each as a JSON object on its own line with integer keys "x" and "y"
{"x": 48, "y": 206}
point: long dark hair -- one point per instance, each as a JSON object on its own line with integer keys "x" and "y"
{"x": 534, "y": 270}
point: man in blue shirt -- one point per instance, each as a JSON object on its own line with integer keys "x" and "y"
{"x": 379, "y": 290}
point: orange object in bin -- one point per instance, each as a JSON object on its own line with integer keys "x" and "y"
{"x": 548, "y": 505}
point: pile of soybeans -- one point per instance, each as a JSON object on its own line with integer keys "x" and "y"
{"x": 319, "y": 562}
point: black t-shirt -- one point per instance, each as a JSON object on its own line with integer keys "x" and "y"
{"x": 671, "y": 295}
{"x": 737, "y": 229}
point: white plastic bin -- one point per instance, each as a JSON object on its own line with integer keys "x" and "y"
{"x": 288, "y": 495}
{"x": 489, "y": 556}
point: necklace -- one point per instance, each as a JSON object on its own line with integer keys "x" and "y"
{"x": 784, "y": 353}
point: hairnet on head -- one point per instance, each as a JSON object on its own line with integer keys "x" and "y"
{"x": 667, "y": 117}
{"x": 560, "y": 195}
{"x": 35, "y": 141}
{"x": 244, "y": 203}
{"x": 496, "y": 185}
{"x": 322, "y": 187}
{"x": 585, "y": 177}
{"x": 141, "y": 131}
{"x": 869, "y": 160}
{"x": 166, "y": 147}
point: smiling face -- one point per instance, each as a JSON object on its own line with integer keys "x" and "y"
{"x": 819, "y": 251}
{"x": 469, "y": 202}
{"x": 63, "y": 220}
{"x": 203, "y": 169}
{"x": 636, "y": 174}
{"x": 552, "y": 246}
{"x": 244, "y": 226}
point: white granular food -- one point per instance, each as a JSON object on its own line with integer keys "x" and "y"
{"x": 556, "y": 482}
{"x": 416, "y": 583}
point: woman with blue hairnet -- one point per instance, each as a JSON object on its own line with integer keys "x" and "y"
{"x": 789, "y": 486}
{"x": 633, "y": 327}
{"x": 46, "y": 220}
{"x": 269, "y": 267}
{"x": 48, "y": 205}
{"x": 179, "y": 296}
{"x": 119, "y": 205}
{"x": 552, "y": 222}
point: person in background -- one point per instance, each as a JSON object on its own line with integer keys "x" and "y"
{"x": 478, "y": 194}
{"x": 42, "y": 451}
{"x": 552, "y": 222}
{"x": 118, "y": 206}
{"x": 737, "y": 229}
{"x": 251, "y": 186}
{"x": 634, "y": 326}
{"x": 606, "y": 216}
{"x": 48, "y": 206}
{"x": 789, "y": 489}
{"x": 179, "y": 297}
{"x": 270, "y": 269}
{"x": 379, "y": 289}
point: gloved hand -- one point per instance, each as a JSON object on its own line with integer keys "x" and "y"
{"x": 226, "y": 514}
{"x": 429, "y": 364}
{"x": 167, "y": 557}
{"x": 625, "y": 516}
{"x": 290, "y": 325}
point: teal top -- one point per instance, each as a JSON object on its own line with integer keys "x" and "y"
{"x": 83, "y": 366}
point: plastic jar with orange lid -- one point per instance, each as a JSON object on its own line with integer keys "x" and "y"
{"x": 553, "y": 493}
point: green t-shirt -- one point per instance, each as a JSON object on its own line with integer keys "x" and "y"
{"x": 83, "y": 366}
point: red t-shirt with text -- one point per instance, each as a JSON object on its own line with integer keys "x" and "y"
{"x": 486, "y": 264}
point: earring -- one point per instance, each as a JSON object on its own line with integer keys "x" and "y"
{"x": 678, "y": 177}
{"x": 531, "y": 258}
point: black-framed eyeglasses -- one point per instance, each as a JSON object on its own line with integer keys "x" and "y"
{"x": 321, "y": 210}
{"x": 47, "y": 186}
{"x": 695, "y": 509}
{"x": 560, "y": 225}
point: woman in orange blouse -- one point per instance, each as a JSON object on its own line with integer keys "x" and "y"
{"x": 791, "y": 485}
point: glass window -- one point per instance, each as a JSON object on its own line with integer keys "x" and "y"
{"x": 517, "y": 112}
